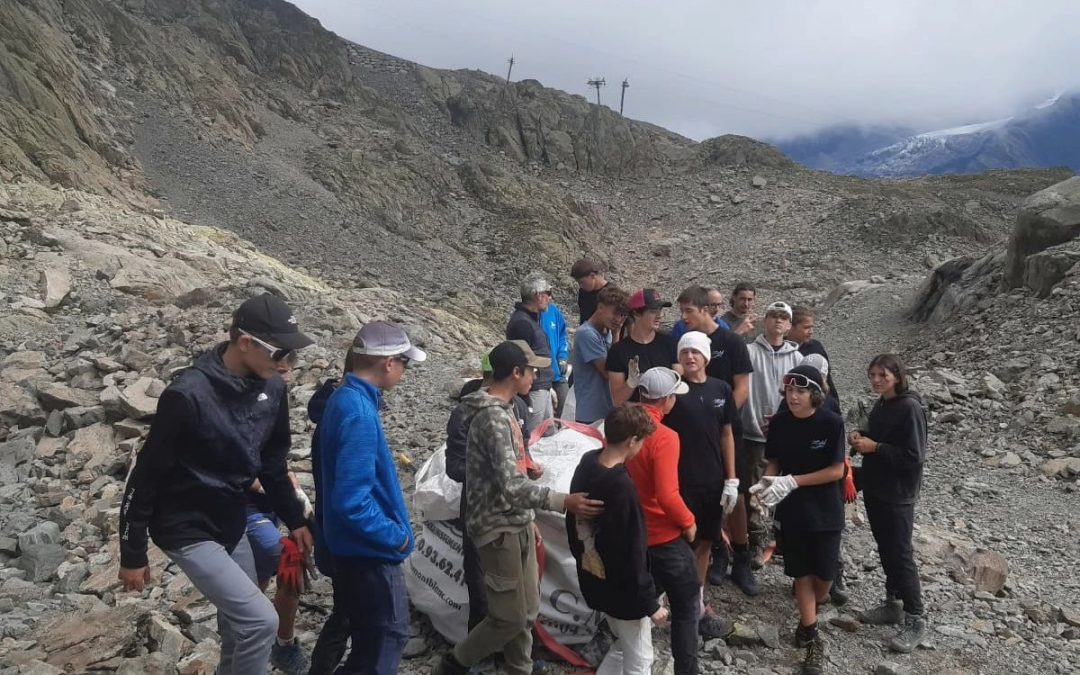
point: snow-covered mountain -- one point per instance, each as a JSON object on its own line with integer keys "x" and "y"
{"x": 1048, "y": 135}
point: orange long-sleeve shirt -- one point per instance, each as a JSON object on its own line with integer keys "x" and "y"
{"x": 655, "y": 472}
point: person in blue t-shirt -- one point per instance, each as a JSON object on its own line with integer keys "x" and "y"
{"x": 554, "y": 325}
{"x": 591, "y": 344}
{"x": 716, "y": 303}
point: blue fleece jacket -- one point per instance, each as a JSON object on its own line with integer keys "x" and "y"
{"x": 365, "y": 514}
{"x": 554, "y": 326}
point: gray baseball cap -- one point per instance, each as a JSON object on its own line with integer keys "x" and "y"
{"x": 382, "y": 338}
{"x": 661, "y": 382}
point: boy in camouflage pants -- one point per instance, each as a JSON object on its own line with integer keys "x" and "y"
{"x": 499, "y": 516}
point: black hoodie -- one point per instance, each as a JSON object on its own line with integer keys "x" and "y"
{"x": 316, "y": 406}
{"x": 213, "y": 434}
{"x": 626, "y": 591}
{"x": 524, "y": 324}
{"x": 893, "y": 473}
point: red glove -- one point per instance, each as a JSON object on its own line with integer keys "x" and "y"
{"x": 291, "y": 569}
{"x": 849, "y": 483}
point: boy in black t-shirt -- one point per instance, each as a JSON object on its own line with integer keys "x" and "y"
{"x": 703, "y": 419}
{"x": 729, "y": 361}
{"x": 611, "y": 550}
{"x": 805, "y": 450}
{"x": 642, "y": 349}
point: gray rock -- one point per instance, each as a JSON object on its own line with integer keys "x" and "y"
{"x": 136, "y": 400}
{"x": 759, "y": 181}
{"x": 15, "y": 456}
{"x": 415, "y": 648}
{"x": 55, "y": 285}
{"x": 58, "y": 397}
{"x": 989, "y": 570}
{"x": 1047, "y": 218}
{"x": 18, "y": 407}
{"x": 40, "y": 551}
{"x": 891, "y": 668}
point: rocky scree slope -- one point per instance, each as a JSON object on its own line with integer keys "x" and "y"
{"x": 102, "y": 304}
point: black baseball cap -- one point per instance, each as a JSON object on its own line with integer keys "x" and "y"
{"x": 646, "y": 298}
{"x": 268, "y": 318}
{"x": 515, "y": 354}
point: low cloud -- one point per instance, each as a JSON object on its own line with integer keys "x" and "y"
{"x": 767, "y": 70}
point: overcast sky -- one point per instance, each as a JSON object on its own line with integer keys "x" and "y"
{"x": 766, "y": 69}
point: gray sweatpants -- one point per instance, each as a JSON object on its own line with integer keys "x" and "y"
{"x": 247, "y": 622}
{"x": 539, "y": 408}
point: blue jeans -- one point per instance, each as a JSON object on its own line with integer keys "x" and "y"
{"x": 373, "y": 596}
{"x": 265, "y": 539}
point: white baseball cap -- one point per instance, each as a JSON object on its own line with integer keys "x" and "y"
{"x": 779, "y": 307}
{"x": 817, "y": 361}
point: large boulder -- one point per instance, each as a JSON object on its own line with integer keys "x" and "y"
{"x": 1046, "y": 219}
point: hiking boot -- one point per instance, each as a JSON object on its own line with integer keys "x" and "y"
{"x": 741, "y": 574}
{"x": 450, "y": 666}
{"x": 804, "y": 635}
{"x": 718, "y": 568}
{"x": 889, "y": 614}
{"x": 814, "y": 663}
{"x": 289, "y": 658}
{"x": 910, "y": 635}
{"x": 838, "y": 592}
{"x": 712, "y": 627}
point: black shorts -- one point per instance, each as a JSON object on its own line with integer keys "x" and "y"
{"x": 704, "y": 503}
{"x": 749, "y": 463}
{"x": 816, "y": 553}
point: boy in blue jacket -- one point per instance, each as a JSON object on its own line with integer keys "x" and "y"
{"x": 365, "y": 522}
{"x": 554, "y": 325}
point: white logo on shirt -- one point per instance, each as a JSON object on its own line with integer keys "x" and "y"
{"x": 818, "y": 445}
{"x": 718, "y": 354}
{"x": 292, "y": 319}
{"x": 262, "y": 397}
{"x": 719, "y": 402}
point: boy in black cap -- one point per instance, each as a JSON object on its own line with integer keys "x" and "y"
{"x": 805, "y": 450}
{"x": 220, "y": 425}
{"x": 643, "y": 348}
{"x": 499, "y": 516}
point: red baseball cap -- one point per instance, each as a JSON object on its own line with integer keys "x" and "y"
{"x": 646, "y": 298}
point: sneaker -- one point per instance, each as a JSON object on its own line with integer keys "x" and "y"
{"x": 289, "y": 658}
{"x": 910, "y": 635}
{"x": 804, "y": 635}
{"x": 718, "y": 568}
{"x": 889, "y": 614}
{"x": 712, "y": 627}
{"x": 741, "y": 574}
{"x": 449, "y": 665}
{"x": 814, "y": 663}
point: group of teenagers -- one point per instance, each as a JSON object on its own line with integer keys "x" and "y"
{"x": 706, "y": 437}
{"x": 720, "y": 433}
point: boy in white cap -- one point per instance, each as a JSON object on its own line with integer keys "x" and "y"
{"x": 771, "y": 356}
{"x": 669, "y": 524}
{"x": 703, "y": 419}
{"x": 365, "y": 522}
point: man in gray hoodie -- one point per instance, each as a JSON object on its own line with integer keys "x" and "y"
{"x": 772, "y": 356}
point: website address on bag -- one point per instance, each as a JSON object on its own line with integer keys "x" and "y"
{"x": 430, "y": 583}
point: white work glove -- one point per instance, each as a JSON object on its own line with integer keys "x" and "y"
{"x": 771, "y": 490}
{"x": 633, "y": 373}
{"x": 730, "y": 496}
